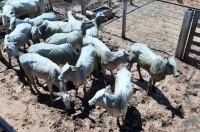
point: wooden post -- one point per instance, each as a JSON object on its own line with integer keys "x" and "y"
{"x": 41, "y": 3}
{"x": 124, "y": 18}
{"x": 192, "y": 32}
{"x": 109, "y": 3}
{"x": 83, "y": 6}
{"x": 184, "y": 33}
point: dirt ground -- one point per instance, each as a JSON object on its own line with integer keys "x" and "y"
{"x": 173, "y": 106}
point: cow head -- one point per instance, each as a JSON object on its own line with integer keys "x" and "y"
{"x": 36, "y": 34}
{"x": 100, "y": 18}
{"x": 12, "y": 23}
{"x": 171, "y": 66}
{"x": 99, "y": 98}
{"x": 8, "y": 12}
{"x": 123, "y": 54}
{"x": 66, "y": 71}
{"x": 66, "y": 99}
{"x": 10, "y": 47}
{"x": 85, "y": 24}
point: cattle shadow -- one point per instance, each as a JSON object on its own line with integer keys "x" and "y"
{"x": 158, "y": 96}
{"x": 4, "y": 62}
{"x": 192, "y": 62}
{"x": 21, "y": 76}
{"x": 133, "y": 121}
{"x": 97, "y": 84}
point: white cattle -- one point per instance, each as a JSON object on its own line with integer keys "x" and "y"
{"x": 49, "y": 28}
{"x": 78, "y": 74}
{"x": 38, "y": 66}
{"x": 157, "y": 67}
{"x": 16, "y": 39}
{"x": 93, "y": 31}
{"x": 59, "y": 54}
{"x": 74, "y": 38}
{"x": 108, "y": 60}
{"x": 100, "y": 18}
{"x": 116, "y": 104}
{"x": 37, "y": 21}
{"x": 76, "y": 24}
{"x": 2, "y": 2}
{"x": 19, "y": 8}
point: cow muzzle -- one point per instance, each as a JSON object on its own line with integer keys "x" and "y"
{"x": 176, "y": 74}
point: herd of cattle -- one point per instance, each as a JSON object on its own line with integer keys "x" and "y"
{"x": 71, "y": 51}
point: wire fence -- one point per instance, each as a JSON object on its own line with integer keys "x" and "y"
{"x": 154, "y": 23}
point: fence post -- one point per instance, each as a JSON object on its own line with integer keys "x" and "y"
{"x": 124, "y": 18}
{"x": 109, "y": 3}
{"x": 184, "y": 33}
{"x": 41, "y": 3}
{"x": 83, "y": 6}
{"x": 192, "y": 32}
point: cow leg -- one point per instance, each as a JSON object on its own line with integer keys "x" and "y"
{"x": 76, "y": 88}
{"x": 9, "y": 60}
{"x": 96, "y": 66}
{"x": 130, "y": 65}
{"x": 153, "y": 85}
{"x": 20, "y": 67}
{"x": 138, "y": 68}
{"x": 24, "y": 48}
{"x": 28, "y": 43}
{"x": 104, "y": 72}
{"x": 124, "y": 117}
{"x": 33, "y": 82}
{"x": 50, "y": 90}
{"x": 84, "y": 88}
{"x": 37, "y": 81}
{"x": 150, "y": 85}
{"x": 30, "y": 80}
{"x": 112, "y": 74}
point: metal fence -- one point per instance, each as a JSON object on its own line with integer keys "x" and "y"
{"x": 152, "y": 22}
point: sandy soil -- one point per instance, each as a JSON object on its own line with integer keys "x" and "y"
{"x": 174, "y": 106}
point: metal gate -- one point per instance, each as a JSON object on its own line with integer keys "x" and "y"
{"x": 193, "y": 33}
{"x": 189, "y": 38}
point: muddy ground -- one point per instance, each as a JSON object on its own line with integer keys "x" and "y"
{"x": 173, "y": 106}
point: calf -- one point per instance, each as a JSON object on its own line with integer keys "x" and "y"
{"x": 16, "y": 39}
{"x": 59, "y": 54}
{"x": 155, "y": 65}
{"x": 84, "y": 66}
{"x": 37, "y": 21}
{"x": 116, "y": 104}
{"x": 35, "y": 65}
